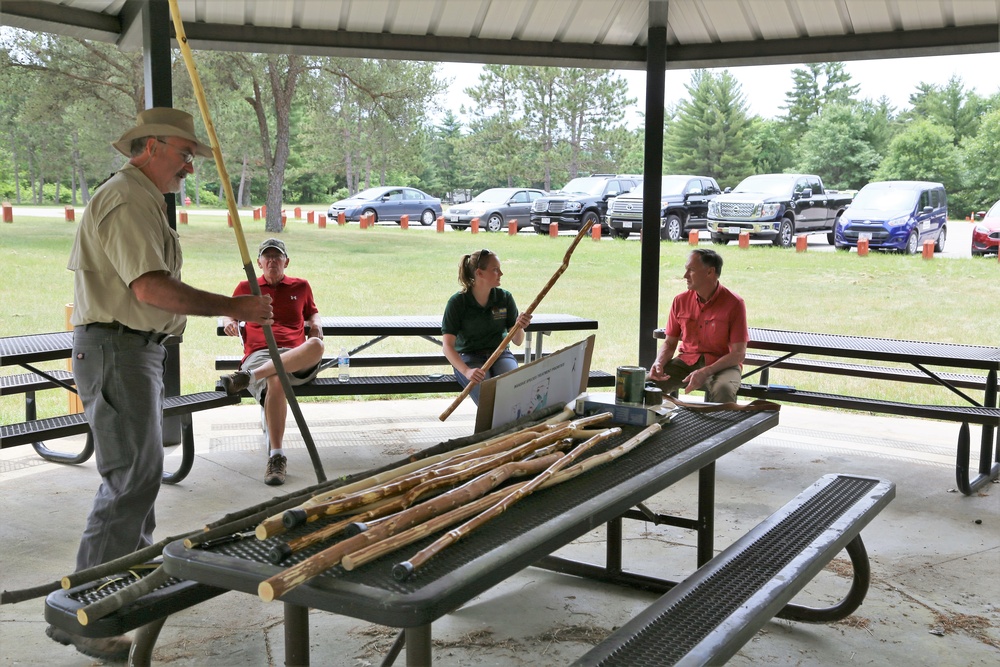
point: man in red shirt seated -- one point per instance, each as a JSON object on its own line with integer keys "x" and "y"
{"x": 710, "y": 323}
{"x": 294, "y": 308}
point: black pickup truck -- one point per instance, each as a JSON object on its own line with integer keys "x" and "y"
{"x": 683, "y": 207}
{"x": 777, "y": 207}
{"x": 580, "y": 201}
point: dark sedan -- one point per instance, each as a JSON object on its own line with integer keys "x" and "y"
{"x": 495, "y": 208}
{"x": 388, "y": 203}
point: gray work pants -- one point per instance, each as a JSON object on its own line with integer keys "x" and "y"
{"x": 119, "y": 377}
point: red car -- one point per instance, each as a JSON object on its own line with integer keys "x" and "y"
{"x": 986, "y": 233}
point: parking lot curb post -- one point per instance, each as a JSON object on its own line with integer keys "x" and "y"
{"x": 801, "y": 243}
{"x": 8, "y": 212}
{"x": 744, "y": 239}
{"x": 474, "y": 225}
{"x": 404, "y": 221}
{"x": 256, "y": 214}
{"x": 70, "y": 214}
{"x": 553, "y": 229}
{"x": 440, "y": 224}
{"x": 512, "y": 228}
{"x": 311, "y": 217}
{"x": 928, "y": 249}
{"x": 183, "y": 217}
{"x": 229, "y": 219}
{"x": 595, "y": 232}
{"x": 341, "y": 218}
{"x": 322, "y": 221}
{"x": 862, "y": 247}
{"x": 693, "y": 237}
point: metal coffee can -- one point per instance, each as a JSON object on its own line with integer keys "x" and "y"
{"x": 629, "y": 383}
{"x": 652, "y": 396}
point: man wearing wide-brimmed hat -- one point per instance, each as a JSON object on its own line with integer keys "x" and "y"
{"x": 128, "y": 300}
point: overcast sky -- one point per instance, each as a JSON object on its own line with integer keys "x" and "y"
{"x": 764, "y": 87}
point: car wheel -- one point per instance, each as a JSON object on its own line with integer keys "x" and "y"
{"x": 911, "y": 244}
{"x": 427, "y": 217}
{"x": 458, "y": 228}
{"x": 786, "y": 234}
{"x": 619, "y": 233}
{"x": 495, "y": 223}
{"x": 845, "y": 248}
{"x": 541, "y": 231}
{"x": 588, "y": 217}
{"x": 719, "y": 239}
{"x": 830, "y": 235}
{"x": 672, "y": 228}
{"x": 372, "y": 213}
{"x": 942, "y": 237}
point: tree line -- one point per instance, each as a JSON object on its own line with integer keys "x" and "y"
{"x": 298, "y": 129}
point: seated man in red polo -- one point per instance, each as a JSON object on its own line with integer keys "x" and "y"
{"x": 294, "y": 308}
{"x": 710, "y": 323}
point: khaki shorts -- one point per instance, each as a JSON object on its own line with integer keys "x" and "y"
{"x": 258, "y": 388}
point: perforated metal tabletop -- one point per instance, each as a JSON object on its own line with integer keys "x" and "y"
{"x": 18, "y": 350}
{"x": 528, "y": 531}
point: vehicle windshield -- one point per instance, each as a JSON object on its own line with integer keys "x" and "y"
{"x": 587, "y": 186}
{"x": 370, "y": 193}
{"x": 994, "y": 211}
{"x": 673, "y": 185}
{"x": 774, "y": 185}
{"x": 886, "y": 199}
{"x": 493, "y": 195}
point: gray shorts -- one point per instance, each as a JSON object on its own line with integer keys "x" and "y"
{"x": 259, "y": 387}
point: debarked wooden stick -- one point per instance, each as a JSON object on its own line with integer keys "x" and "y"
{"x": 299, "y": 573}
{"x": 427, "y": 528}
{"x": 528, "y": 311}
{"x": 403, "y": 570}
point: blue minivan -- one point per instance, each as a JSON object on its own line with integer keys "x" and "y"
{"x": 895, "y": 215}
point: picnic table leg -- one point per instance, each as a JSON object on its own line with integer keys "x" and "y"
{"x": 141, "y": 654}
{"x": 62, "y": 457}
{"x": 989, "y": 455}
{"x": 706, "y": 514}
{"x": 860, "y": 582}
{"x": 296, "y": 635}
{"x": 418, "y": 646}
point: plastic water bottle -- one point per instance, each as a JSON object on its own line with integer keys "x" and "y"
{"x": 344, "y": 365}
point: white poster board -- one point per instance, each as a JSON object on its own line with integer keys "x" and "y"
{"x": 556, "y": 378}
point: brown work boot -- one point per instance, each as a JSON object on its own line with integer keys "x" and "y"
{"x": 235, "y": 383}
{"x": 113, "y": 649}
{"x": 275, "y": 473}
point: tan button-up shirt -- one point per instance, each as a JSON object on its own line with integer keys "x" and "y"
{"x": 123, "y": 234}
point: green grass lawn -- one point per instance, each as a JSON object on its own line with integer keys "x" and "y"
{"x": 389, "y": 271}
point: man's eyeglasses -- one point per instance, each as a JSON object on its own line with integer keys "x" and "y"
{"x": 187, "y": 156}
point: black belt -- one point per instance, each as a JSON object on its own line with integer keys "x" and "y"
{"x": 151, "y": 336}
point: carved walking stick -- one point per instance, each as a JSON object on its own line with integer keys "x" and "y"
{"x": 403, "y": 570}
{"x": 299, "y": 573}
{"x": 400, "y": 540}
{"x": 529, "y": 310}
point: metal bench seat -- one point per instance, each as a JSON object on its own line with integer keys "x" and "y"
{"x": 35, "y": 431}
{"x": 31, "y": 382}
{"x": 705, "y": 619}
{"x": 148, "y": 613}
{"x": 362, "y": 385}
{"x": 232, "y": 363}
{"x": 966, "y": 381}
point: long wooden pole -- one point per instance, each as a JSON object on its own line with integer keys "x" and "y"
{"x": 299, "y": 573}
{"x": 234, "y": 214}
{"x": 403, "y": 570}
{"x": 398, "y": 541}
{"x": 528, "y": 311}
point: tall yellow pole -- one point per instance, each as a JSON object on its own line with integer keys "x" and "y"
{"x": 199, "y": 93}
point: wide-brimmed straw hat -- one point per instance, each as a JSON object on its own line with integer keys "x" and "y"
{"x": 162, "y": 122}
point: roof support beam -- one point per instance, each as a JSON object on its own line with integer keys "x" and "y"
{"x": 652, "y": 171}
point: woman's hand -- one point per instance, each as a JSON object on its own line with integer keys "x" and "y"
{"x": 523, "y": 320}
{"x": 474, "y": 375}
